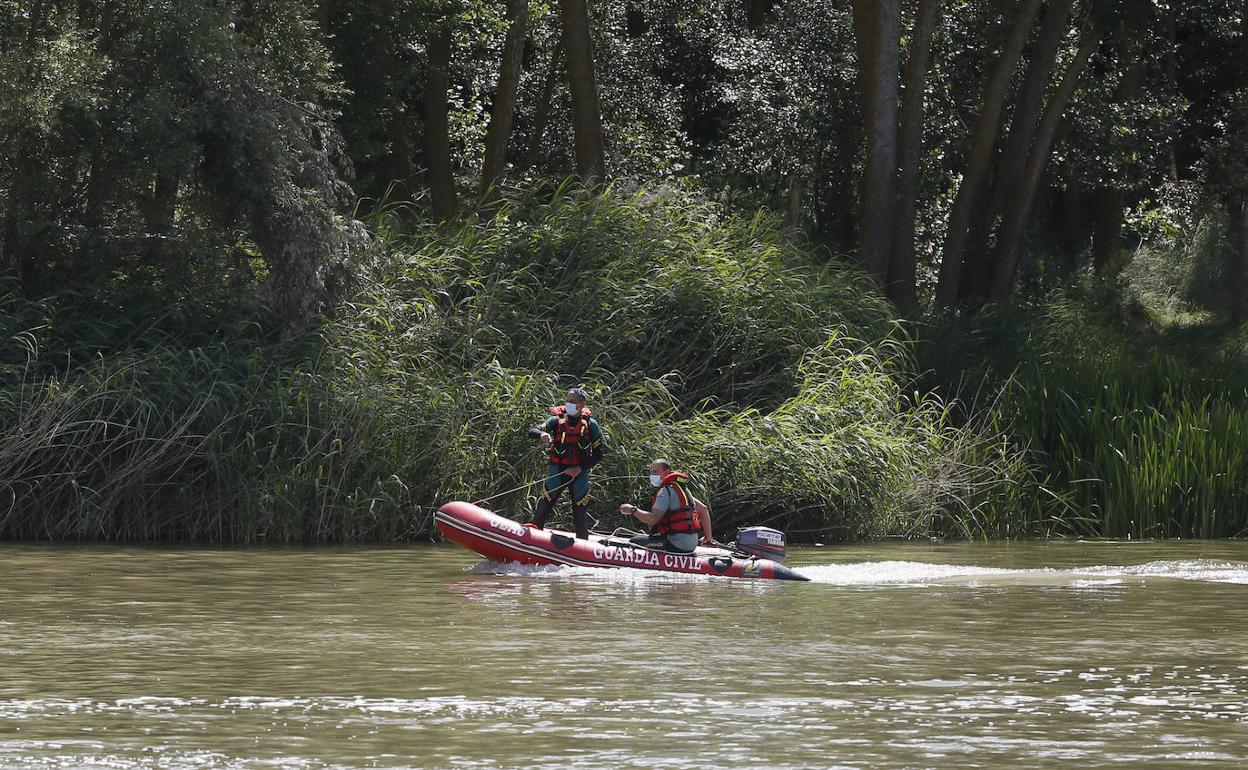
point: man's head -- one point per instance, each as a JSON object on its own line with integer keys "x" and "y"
{"x": 660, "y": 467}
{"x": 574, "y": 399}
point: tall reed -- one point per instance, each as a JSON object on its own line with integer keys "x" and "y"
{"x": 767, "y": 369}
{"x": 1136, "y": 432}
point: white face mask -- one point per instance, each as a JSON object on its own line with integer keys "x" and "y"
{"x": 569, "y": 408}
{"x": 655, "y": 479}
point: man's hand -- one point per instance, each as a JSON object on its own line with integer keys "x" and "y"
{"x": 628, "y": 509}
{"x": 545, "y": 437}
{"x": 572, "y": 471}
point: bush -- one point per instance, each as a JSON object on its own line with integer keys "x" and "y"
{"x": 770, "y": 372}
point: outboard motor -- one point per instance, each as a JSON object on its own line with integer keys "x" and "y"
{"x": 763, "y": 542}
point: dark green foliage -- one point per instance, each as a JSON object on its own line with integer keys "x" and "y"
{"x": 151, "y": 135}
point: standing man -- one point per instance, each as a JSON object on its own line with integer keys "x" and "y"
{"x": 678, "y": 520}
{"x": 574, "y": 442}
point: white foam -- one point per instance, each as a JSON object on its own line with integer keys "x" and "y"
{"x": 914, "y": 573}
{"x": 925, "y": 573}
{"x": 1202, "y": 570}
{"x": 899, "y": 573}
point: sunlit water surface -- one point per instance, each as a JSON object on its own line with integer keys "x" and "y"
{"x": 1065, "y": 655}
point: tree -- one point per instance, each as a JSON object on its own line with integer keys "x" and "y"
{"x": 1172, "y": 81}
{"x": 504, "y": 99}
{"x": 18, "y": 208}
{"x": 591, "y": 162}
{"x": 877, "y": 25}
{"x": 1018, "y": 211}
{"x": 784, "y": 122}
{"x": 1012, "y": 160}
{"x": 541, "y": 111}
{"x": 979, "y": 158}
{"x": 1109, "y": 201}
{"x": 164, "y": 129}
{"x": 1239, "y": 265}
{"x": 901, "y": 273}
{"x": 443, "y": 199}
{"x": 1237, "y": 141}
{"x": 380, "y": 50}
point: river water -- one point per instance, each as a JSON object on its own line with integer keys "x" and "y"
{"x": 1051, "y": 655}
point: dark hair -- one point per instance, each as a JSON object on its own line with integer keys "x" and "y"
{"x": 579, "y": 394}
{"x": 664, "y": 463}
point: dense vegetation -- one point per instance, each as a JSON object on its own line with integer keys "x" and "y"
{"x": 423, "y": 387}
{"x": 278, "y": 271}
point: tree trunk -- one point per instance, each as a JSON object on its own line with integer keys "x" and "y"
{"x": 399, "y": 128}
{"x": 11, "y": 247}
{"x": 1013, "y": 161}
{"x": 499, "y": 132}
{"x": 398, "y": 122}
{"x": 591, "y": 162}
{"x": 1065, "y": 210}
{"x": 1018, "y": 212}
{"x": 437, "y": 132}
{"x": 978, "y": 269}
{"x": 977, "y": 254}
{"x": 877, "y": 26}
{"x": 159, "y": 207}
{"x": 901, "y": 273}
{"x": 793, "y": 212}
{"x": 1239, "y": 263}
{"x": 1110, "y": 202}
{"x": 158, "y": 204}
{"x": 1107, "y": 216}
{"x": 1172, "y": 78}
{"x": 1239, "y": 268}
{"x": 980, "y": 156}
{"x": 541, "y": 116}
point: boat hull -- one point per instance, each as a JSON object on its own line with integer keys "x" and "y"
{"x": 498, "y": 538}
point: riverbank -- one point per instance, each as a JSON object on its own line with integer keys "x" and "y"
{"x": 167, "y": 410}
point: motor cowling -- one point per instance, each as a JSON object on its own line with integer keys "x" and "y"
{"x": 763, "y": 542}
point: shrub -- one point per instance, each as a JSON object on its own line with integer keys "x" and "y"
{"x": 771, "y": 372}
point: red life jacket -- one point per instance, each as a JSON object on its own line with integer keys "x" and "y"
{"x": 569, "y": 439}
{"x": 682, "y": 518}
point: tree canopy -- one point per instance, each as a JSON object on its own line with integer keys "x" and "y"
{"x": 955, "y": 148}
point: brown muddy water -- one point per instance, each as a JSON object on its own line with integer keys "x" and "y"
{"x": 1041, "y": 655}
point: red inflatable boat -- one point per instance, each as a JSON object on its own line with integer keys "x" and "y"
{"x": 504, "y": 540}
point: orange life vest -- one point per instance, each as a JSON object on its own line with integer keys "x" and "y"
{"x": 569, "y": 440}
{"x": 682, "y": 518}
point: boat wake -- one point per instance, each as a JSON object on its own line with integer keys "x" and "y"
{"x": 923, "y": 573}
{"x": 916, "y": 573}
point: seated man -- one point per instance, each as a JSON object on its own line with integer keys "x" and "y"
{"x": 676, "y": 518}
